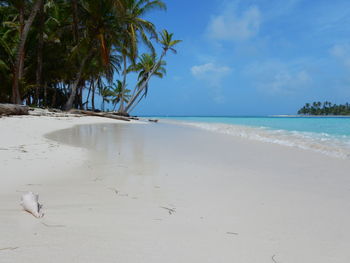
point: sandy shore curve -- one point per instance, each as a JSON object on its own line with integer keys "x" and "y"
{"x": 121, "y": 192}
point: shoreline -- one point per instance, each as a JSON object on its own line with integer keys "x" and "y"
{"x": 336, "y": 146}
{"x": 139, "y": 193}
{"x": 249, "y": 116}
{"x": 310, "y": 116}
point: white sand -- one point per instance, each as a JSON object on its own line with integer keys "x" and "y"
{"x": 234, "y": 200}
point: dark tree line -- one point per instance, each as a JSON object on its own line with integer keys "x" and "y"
{"x": 325, "y": 108}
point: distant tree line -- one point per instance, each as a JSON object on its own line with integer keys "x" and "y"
{"x": 325, "y": 108}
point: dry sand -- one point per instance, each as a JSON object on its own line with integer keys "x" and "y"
{"x": 164, "y": 193}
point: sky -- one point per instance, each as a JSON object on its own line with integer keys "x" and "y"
{"x": 251, "y": 57}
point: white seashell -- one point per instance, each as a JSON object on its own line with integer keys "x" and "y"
{"x": 29, "y": 202}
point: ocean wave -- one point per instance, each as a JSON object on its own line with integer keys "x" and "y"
{"x": 336, "y": 146}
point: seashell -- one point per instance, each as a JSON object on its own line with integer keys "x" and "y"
{"x": 30, "y": 203}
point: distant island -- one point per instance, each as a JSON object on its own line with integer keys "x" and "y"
{"x": 325, "y": 108}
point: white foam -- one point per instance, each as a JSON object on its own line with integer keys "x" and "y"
{"x": 318, "y": 142}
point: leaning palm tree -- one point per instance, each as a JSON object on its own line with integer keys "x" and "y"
{"x": 144, "y": 67}
{"x": 167, "y": 42}
{"x": 135, "y": 29}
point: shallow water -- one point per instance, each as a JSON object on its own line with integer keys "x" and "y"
{"x": 328, "y": 125}
{"x": 144, "y": 147}
{"x": 328, "y": 135}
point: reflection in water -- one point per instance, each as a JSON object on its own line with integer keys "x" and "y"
{"x": 136, "y": 159}
{"x": 111, "y": 144}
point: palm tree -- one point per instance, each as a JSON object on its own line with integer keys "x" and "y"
{"x": 146, "y": 64}
{"x": 100, "y": 31}
{"x": 51, "y": 58}
{"x": 328, "y": 108}
{"x": 105, "y": 93}
{"x": 24, "y": 30}
{"x": 119, "y": 94}
{"x": 8, "y": 40}
{"x": 167, "y": 42}
{"x": 135, "y": 29}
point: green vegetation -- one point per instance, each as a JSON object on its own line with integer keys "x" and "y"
{"x": 325, "y": 108}
{"x": 51, "y": 51}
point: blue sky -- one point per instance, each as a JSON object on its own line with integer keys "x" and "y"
{"x": 252, "y": 57}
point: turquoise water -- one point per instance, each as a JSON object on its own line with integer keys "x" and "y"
{"x": 329, "y": 135}
{"x": 329, "y": 125}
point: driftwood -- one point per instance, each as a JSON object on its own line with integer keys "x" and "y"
{"x": 96, "y": 114}
{"x": 119, "y": 114}
{"x": 126, "y": 115}
{"x": 50, "y": 113}
{"x": 123, "y": 114}
{"x": 13, "y": 109}
{"x": 153, "y": 120}
{"x": 54, "y": 110}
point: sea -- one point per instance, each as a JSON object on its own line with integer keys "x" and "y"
{"x": 327, "y": 135}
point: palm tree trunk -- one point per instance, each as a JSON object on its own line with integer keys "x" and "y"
{"x": 144, "y": 84}
{"x": 54, "y": 97}
{"x": 75, "y": 20}
{"x": 135, "y": 104}
{"x": 40, "y": 55}
{"x": 19, "y": 63}
{"x": 80, "y": 97}
{"x": 22, "y": 22}
{"x": 93, "y": 96}
{"x": 45, "y": 94}
{"x": 121, "y": 107}
{"x": 74, "y": 87}
{"x": 86, "y": 103}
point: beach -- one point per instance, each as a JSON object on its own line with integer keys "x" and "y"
{"x": 116, "y": 191}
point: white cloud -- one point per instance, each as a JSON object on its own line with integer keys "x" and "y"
{"x": 277, "y": 78}
{"x": 209, "y": 69}
{"x": 342, "y": 52}
{"x": 213, "y": 75}
{"x": 235, "y": 27}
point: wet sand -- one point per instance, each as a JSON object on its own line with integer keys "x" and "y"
{"x": 167, "y": 193}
